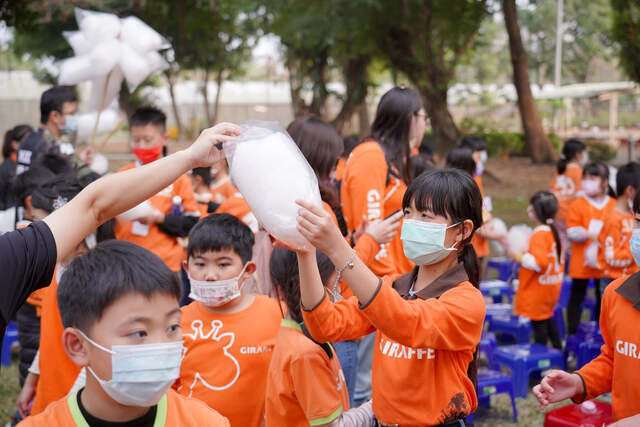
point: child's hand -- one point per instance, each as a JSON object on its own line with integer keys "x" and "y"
{"x": 315, "y": 225}
{"x": 383, "y": 231}
{"x": 556, "y": 387}
{"x": 205, "y": 151}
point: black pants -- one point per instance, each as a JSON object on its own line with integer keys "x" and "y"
{"x": 574, "y": 312}
{"x": 545, "y": 330}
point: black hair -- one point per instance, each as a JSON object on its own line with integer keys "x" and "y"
{"x": 26, "y": 182}
{"x": 424, "y": 147}
{"x": 350, "y": 142}
{"x": 474, "y": 143}
{"x": 421, "y": 163}
{"x": 221, "y": 231}
{"x": 601, "y": 170}
{"x": 545, "y": 206}
{"x": 55, "y": 193}
{"x": 636, "y": 203}
{"x": 114, "y": 268}
{"x": 286, "y": 278}
{"x": 204, "y": 173}
{"x": 148, "y": 116}
{"x": 54, "y": 99}
{"x": 17, "y": 133}
{"x": 322, "y": 146}
{"x": 56, "y": 163}
{"x": 461, "y": 158}
{"x": 571, "y": 148}
{"x": 392, "y": 127}
{"x": 628, "y": 176}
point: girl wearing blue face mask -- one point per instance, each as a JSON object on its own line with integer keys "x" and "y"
{"x": 428, "y": 321}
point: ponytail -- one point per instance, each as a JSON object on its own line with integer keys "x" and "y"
{"x": 556, "y": 237}
{"x": 545, "y": 206}
{"x": 469, "y": 259}
{"x": 561, "y": 166}
{"x": 570, "y": 149}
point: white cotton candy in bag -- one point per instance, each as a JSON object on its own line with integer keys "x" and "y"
{"x": 518, "y": 238}
{"x": 271, "y": 173}
{"x": 109, "y": 119}
{"x": 156, "y": 62}
{"x": 100, "y": 164}
{"x": 134, "y": 66}
{"x": 104, "y": 57}
{"x": 498, "y": 226}
{"x": 141, "y": 36}
{"x": 75, "y": 70}
{"x": 140, "y": 211}
{"x": 113, "y": 89}
{"x": 77, "y": 41}
{"x": 97, "y": 26}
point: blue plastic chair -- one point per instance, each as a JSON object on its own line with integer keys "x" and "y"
{"x": 589, "y": 303}
{"x": 497, "y": 310}
{"x": 506, "y": 267}
{"x": 492, "y": 382}
{"x": 589, "y": 349}
{"x": 488, "y": 345}
{"x": 10, "y": 336}
{"x": 565, "y": 292}
{"x": 517, "y": 327}
{"x": 497, "y": 289}
{"x": 523, "y": 359}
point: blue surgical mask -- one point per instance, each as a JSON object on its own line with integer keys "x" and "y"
{"x": 70, "y": 124}
{"x": 423, "y": 242}
{"x": 634, "y": 242}
{"x": 484, "y": 157}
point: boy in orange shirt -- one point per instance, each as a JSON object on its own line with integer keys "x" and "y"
{"x": 617, "y": 368}
{"x": 615, "y": 254}
{"x": 174, "y": 209}
{"x": 125, "y": 330}
{"x": 229, "y": 336}
{"x": 542, "y": 270}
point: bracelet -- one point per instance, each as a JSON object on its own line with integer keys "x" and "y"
{"x": 335, "y": 291}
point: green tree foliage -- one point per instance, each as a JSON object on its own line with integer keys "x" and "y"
{"x": 626, "y": 32}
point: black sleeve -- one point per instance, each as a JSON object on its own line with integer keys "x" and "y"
{"x": 212, "y": 207}
{"x": 178, "y": 225}
{"x": 27, "y": 261}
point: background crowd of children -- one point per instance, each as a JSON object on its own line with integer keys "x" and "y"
{"x": 380, "y": 323}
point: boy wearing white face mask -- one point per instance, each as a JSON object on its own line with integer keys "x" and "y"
{"x": 125, "y": 330}
{"x": 229, "y": 335}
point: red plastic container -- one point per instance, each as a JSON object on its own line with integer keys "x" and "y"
{"x": 591, "y": 413}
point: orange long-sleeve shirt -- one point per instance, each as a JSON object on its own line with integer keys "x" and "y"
{"x": 617, "y": 369}
{"x": 615, "y": 253}
{"x": 582, "y": 213}
{"x": 57, "y": 372}
{"x": 566, "y": 187}
{"x": 369, "y": 190}
{"x": 423, "y": 345}
{"x": 540, "y": 277}
{"x": 151, "y": 237}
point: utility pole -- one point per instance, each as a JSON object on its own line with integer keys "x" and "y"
{"x": 557, "y": 75}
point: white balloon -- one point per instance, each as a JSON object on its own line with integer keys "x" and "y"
{"x": 141, "y": 36}
{"x": 75, "y": 70}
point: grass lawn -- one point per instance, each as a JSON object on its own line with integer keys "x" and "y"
{"x": 9, "y": 389}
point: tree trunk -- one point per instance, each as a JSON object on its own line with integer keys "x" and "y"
{"x": 298, "y": 105}
{"x": 364, "y": 119}
{"x": 355, "y": 77}
{"x": 174, "y": 105}
{"x": 444, "y": 129}
{"x": 538, "y": 143}
{"x": 217, "y": 100}
{"x": 205, "y": 95}
{"x": 319, "y": 75}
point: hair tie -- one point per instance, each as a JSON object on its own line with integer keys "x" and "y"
{"x": 549, "y": 221}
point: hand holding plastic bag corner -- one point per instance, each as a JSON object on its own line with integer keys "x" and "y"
{"x": 271, "y": 173}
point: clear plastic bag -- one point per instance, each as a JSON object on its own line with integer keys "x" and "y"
{"x": 140, "y": 36}
{"x": 97, "y": 26}
{"x": 518, "y": 238}
{"x": 113, "y": 89}
{"x": 75, "y": 70}
{"x": 498, "y": 226}
{"x": 77, "y": 41}
{"x": 270, "y": 172}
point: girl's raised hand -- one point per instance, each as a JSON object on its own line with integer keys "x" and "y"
{"x": 556, "y": 387}
{"x": 316, "y": 225}
{"x": 383, "y": 231}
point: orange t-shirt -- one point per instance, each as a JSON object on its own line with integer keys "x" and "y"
{"x": 222, "y": 190}
{"x": 304, "y": 387}
{"x": 566, "y": 188}
{"x": 342, "y": 164}
{"x": 540, "y": 277}
{"x": 617, "y": 368}
{"x": 150, "y": 237}
{"x": 57, "y": 372}
{"x": 365, "y": 192}
{"x": 237, "y": 206}
{"x": 479, "y": 243}
{"x": 173, "y": 410}
{"x": 422, "y": 346}
{"x": 615, "y": 256}
{"x": 582, "y": 212}
{"x": 228, "y": 357}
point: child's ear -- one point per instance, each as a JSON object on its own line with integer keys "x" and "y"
{"x": 185, "y": 265}
{"x": 74, "y": 347}
{"x": 250, "y": 268}
{"x": 467, "y": 228}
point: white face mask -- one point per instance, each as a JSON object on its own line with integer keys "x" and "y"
{"x": 585, "y": 159}
{"x": 591, "y": 187}
{"x": 216, "y": 293}
{"x": 140, "y": 374}
{"x": 423, "y": 242}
